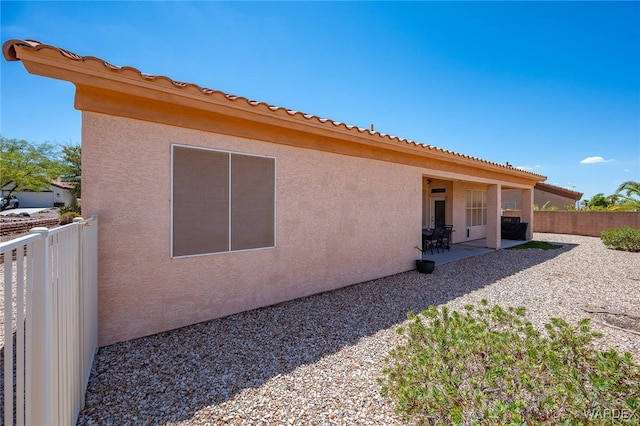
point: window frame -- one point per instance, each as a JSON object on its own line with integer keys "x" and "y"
{"x": 229, "y": 183}
{"x": 475, "y": 210}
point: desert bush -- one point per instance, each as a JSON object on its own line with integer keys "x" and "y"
{"x": 67, "y": 218}
{"x": 71, "y": 208}
{"x": 625, "y": 238}
{"x": 490, "y": 366}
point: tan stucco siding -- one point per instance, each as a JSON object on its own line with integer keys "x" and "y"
{"x": 339, "y": 220}
{"x": 554, "y": 200}
{"x": 541, "y": 198}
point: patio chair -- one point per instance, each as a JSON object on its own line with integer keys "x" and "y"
{"x": 443, "y": 240}
{"x": 429, "y": 239}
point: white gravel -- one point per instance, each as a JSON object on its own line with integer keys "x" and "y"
{"x": 314, "y": 361}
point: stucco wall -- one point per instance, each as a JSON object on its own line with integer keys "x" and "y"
{"x": 590, "y": 223}
{"x": 540, "y": 199}
{"x": 339, "y": 220}
{"x": 554, "y": 200}
{"x": 462, "y": 232}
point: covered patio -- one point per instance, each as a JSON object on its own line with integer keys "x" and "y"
{"x": 466, "y": 249}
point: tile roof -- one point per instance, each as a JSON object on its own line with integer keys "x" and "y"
{"x": 575, "y": 195}
{"x": 10, "y": 54}
{"x": 63, "y": 184}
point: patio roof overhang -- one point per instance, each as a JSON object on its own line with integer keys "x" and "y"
{"x": 127, "y": 92}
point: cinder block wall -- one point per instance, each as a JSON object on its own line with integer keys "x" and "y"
{"x": 23, "y": 227}
{"x": 590, "y": 223}
{"x": 512, "y": 213}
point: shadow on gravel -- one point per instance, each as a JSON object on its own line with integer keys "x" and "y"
{"x": 169, "y": 376}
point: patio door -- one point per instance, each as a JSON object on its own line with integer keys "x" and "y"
{"x": 438, "y": 212}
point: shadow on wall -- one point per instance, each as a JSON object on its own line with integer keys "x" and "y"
{"x": 208, "y": 363}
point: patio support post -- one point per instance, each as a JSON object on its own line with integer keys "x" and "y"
{"x": 494, "y": 211}
{"x": 527, "y": 211}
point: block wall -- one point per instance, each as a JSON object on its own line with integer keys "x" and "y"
{"x": 590, "y": 223}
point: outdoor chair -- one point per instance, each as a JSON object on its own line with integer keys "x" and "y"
{"x": 429, "y": 239}
{"x": 443, "y": 240}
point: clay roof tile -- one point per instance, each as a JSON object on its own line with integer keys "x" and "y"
{"x": 8, "y": 50}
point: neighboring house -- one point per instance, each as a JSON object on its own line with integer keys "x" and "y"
{"x": 62, "y": 193}
{"x": 211, "y": 204}
{"x": 543, "y": 195}
{"x": 58, "y": 194}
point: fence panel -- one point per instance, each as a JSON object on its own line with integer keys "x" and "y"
{"x": 590, "y": 223}
{"x": 49, "y": 328}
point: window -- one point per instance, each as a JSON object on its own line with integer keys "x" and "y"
{"x": 476, "y": 207}
{"x": 221, "y": 201}
{"x": 509, "y": 205}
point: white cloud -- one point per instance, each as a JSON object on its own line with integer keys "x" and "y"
{"x": 594, "y": 160}
{"x": 528, "y": 168}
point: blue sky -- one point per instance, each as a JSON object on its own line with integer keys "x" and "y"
{"x": 551, "y": 87}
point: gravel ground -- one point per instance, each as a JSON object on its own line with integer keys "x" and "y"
{"x": 314, "y": 361}
{"x": 9, "y": 216}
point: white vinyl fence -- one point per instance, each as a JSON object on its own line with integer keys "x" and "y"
{"x": 49, "y": 327}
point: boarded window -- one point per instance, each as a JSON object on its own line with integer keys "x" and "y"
{"x": 221, "y": 201}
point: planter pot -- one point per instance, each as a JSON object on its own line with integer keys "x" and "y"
{"x": 425, "y": 266}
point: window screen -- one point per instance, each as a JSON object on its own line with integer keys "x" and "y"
{"x": 221, "y": 201}
{"x": 252, "y": 206}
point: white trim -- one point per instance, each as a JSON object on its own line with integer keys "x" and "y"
{"x": 206, "y": 148}
{"x": 230, "y": 184}
{"x": 171, "y": 201}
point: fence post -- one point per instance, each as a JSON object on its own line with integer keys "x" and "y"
{"x": 90, "y": 301}
{"x": 8, "y": 338}
{"x": 81, "y": 306}
{"x": 38, "y": 385}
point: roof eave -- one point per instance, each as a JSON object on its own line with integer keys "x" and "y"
{"x": 90, "y": 72}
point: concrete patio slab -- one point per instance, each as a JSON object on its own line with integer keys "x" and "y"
{"x": 467, "y": 249}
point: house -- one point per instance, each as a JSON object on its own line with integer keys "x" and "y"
{"x": 58, "y": 194}
{"x": 212, "y": 204}
{"x": 544, "y": 194}
{"x": 61, "y": 191}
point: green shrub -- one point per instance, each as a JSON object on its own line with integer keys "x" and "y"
{"x": 490, "y": 366}
{"x": 71, "y": 208}
{"x": 67, "y": 218}
{"x": 625, "y": 238}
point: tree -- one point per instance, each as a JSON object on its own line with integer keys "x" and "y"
{"x": 598, "y": 202}
{"x": 627, "y": 198}
{"x": 545, "y": 207}
{"x": 629, "y": 194}
{"x": 72, "y": 167}
{"x": 27, "y": 167}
